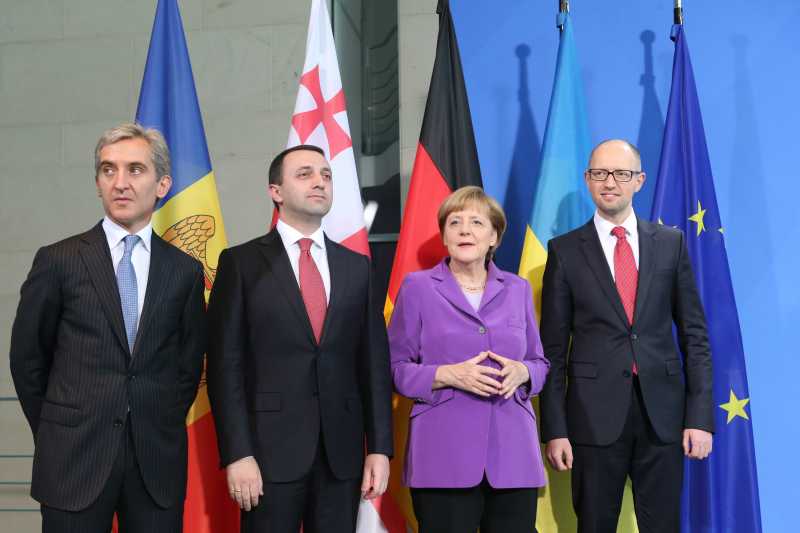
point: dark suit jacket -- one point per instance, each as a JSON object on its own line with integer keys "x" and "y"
{"x": 591, "y": 346}
{"x": 75, "y": 376}
{"x": 273, "y": 389}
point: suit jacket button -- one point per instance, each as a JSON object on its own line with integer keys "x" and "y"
{"x": 117, "y": 423}
{"x": 481, "y": 330}
{"x": 634, "y": 336}
{"x": 626, "y": 373}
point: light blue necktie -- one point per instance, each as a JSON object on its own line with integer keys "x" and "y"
{"x": 128, "y": 293}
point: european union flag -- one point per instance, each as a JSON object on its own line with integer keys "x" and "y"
{"x": 720, "y": 494}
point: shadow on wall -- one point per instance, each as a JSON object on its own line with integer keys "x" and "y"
{"x": 651, "y": 130}
{"x": 523, "y": 174}
{"x": 746, "y": 189}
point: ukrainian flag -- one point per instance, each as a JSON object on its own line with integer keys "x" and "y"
{"x": 561, "y": 203}
{"x": 188, "y": 217}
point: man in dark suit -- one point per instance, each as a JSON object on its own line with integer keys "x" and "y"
{"x": 106, "y": 354}
{"x": 619, "y": 399}
{"x": 298, "y": 373}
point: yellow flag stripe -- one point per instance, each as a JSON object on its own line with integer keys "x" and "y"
{"x": 200, "y": 198}
{"x": 554, "y": 511}
{"x": 531, "y": 265}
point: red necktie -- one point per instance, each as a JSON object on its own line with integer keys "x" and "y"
{"x": 625, "y": 275}
{"x": 312, "y": 288}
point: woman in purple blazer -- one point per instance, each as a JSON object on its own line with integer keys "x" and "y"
{"x": 465, "y": 347}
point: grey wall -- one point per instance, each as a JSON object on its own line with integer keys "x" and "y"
{"x": 417, "y": 28}
{"x": 71, "y": 68}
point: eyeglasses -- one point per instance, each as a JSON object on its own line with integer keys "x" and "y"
{"x": 622, "y": 176}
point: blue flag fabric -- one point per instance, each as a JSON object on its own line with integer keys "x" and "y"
{"x": 562, "y": 201}
{"x": 168, "y": 100}
{"x": 720, "y": 494}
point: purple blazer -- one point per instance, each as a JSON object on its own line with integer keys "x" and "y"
{"x": 454, "y": 437}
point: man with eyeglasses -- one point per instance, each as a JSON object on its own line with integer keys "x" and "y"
{"x": 622, "y": 398}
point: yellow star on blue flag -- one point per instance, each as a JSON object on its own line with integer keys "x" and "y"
{"x": 684, "y": 180}
{"x": 735, "y": 407}
{"x": 698, "y": 218}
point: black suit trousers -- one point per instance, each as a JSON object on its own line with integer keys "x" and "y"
{"x": 124, "y": 494}
{"x": 319, "y": 501}
{"x": 655, "y": 468}
{"x": 482, "y": 507}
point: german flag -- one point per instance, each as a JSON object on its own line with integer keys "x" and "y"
{"x": 446, "y": 159}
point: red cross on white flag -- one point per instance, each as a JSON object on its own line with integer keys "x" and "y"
{"x": 320, "y": 118}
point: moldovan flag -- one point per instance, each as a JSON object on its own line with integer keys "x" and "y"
{"x": 320, "y": 118}
{"x": 189, "y": 218}
{"x": 446, "y": 159}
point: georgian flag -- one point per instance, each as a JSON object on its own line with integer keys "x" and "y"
{"x": 320, "y": 118}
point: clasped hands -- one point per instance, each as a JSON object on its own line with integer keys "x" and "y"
{"x": 485, "y": 381}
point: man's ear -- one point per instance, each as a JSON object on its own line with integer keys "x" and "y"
{"x": 164, "y": 185}
{"x": 640, "y": 181}
{"x": 275, "y": 193}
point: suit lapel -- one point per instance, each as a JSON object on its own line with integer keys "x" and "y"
{"x": 593, "y": 252}
{"x": 97, "y": 258}
{"x": 278, "y": 263}
{"x": 448, "y": 287}
{"x": 157, "y": 279}
{"x": 339, "y": 282}
{"x": 646, "y": 262}
{"x": 494, "y": 286}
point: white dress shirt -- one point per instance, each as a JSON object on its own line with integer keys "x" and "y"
{"x": 608, "y": 241}
{"x": 140, "y": 256}
{"x": 290, "y": 237}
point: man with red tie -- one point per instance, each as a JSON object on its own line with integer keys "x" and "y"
{"x": 622, "y": 399}
{"x": 298, "y": 365}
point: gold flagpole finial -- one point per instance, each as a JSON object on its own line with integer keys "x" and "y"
{"x": 678, "y": 13}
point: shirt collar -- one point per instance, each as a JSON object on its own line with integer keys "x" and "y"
{"x": 290, "y": 235}
{"x": 604, "y": 226}
{"x": 115, "y": 233}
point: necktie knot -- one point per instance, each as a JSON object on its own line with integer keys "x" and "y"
{"x": 130, "y": 241}
{"x": 305, "y": 245}
{"x": 619, "y": 233}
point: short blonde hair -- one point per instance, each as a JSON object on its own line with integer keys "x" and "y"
{"x": 472, "y": 196}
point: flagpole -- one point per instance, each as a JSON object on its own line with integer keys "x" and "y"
{"x": 677, "y": 13}
{"x": 563, "y": 10}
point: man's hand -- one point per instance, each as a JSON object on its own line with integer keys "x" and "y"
{"x": 469, "y": 376}
{"x": 376, "y": 476}
{"x": 559, "y": 454}
{"x": 513, "y": 374}
{"x": 697, "y": 443}
{"x": 244, "y": 482}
